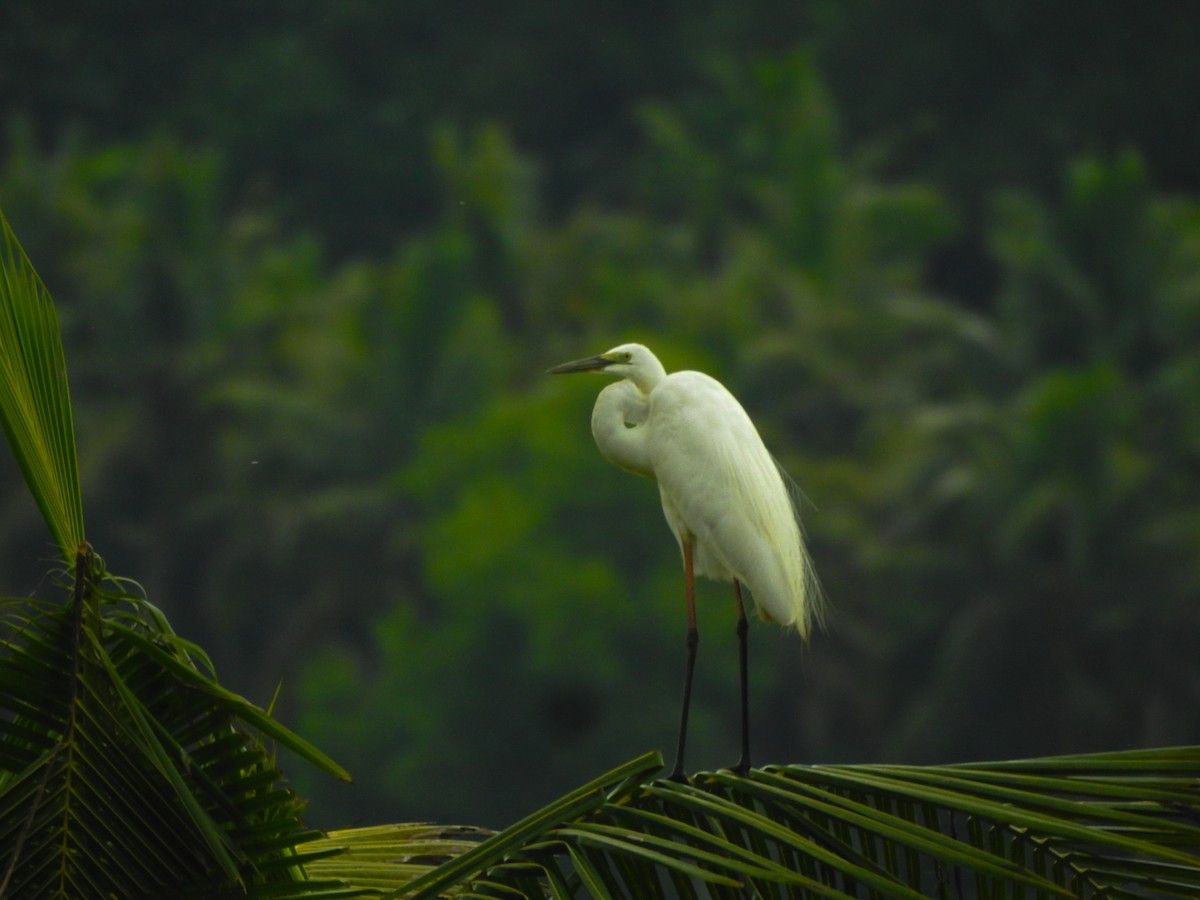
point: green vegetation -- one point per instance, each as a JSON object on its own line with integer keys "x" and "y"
{"x": 126, "y": 769}
{"x": 309, "y": 273}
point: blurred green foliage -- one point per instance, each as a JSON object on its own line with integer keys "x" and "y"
{"x": 311, "y": 276}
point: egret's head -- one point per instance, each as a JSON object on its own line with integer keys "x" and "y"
{"x": 632, "y": 361}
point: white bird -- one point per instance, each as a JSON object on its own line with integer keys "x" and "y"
{"x": 724, "y": 496}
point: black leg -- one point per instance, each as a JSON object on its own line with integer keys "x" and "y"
{"x": 743, "y": 629}
{"x": 693, "y": 640}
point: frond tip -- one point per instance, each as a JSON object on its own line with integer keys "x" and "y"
{"x": 35, "y": 406}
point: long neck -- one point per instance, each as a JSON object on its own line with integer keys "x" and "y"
{"x": 618, "y": 425}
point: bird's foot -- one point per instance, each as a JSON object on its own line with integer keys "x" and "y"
{"x": 741, "y": 767}
{"x": 678, "y": 775}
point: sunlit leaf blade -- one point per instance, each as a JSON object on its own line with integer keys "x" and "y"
{"x": 35, "y": 405}
{"x": 386, "y": 858}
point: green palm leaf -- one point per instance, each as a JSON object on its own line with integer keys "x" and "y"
{"x": 122, "y": 775}
{"x": 35, "y": 405}
{"x": 380, "y": 859}
{"x": 126, "y": 770}
{"x": 1114, "y": 825}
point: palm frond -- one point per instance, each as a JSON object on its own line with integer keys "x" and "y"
{"x": 383, "y": 859}
{"x": 35, "y": 405}
{"x": 126, "y": 771}
{"x": 1123, "y": 824}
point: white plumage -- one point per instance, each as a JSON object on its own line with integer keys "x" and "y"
{"x": 723, "y": 495}
{"x": 719, "y": 485}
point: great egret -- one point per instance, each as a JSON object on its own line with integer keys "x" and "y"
{"x": 723, "y": 494}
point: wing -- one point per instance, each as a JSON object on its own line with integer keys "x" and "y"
{"x": 721, "y": 486}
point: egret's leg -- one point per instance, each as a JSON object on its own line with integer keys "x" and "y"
{"x": 693, "y": 640}
{"x": 743, "y": 629}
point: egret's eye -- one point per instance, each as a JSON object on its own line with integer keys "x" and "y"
{"x": 627, "y": 356}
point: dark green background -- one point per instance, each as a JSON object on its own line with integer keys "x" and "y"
{"x": 312, "y": 260}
